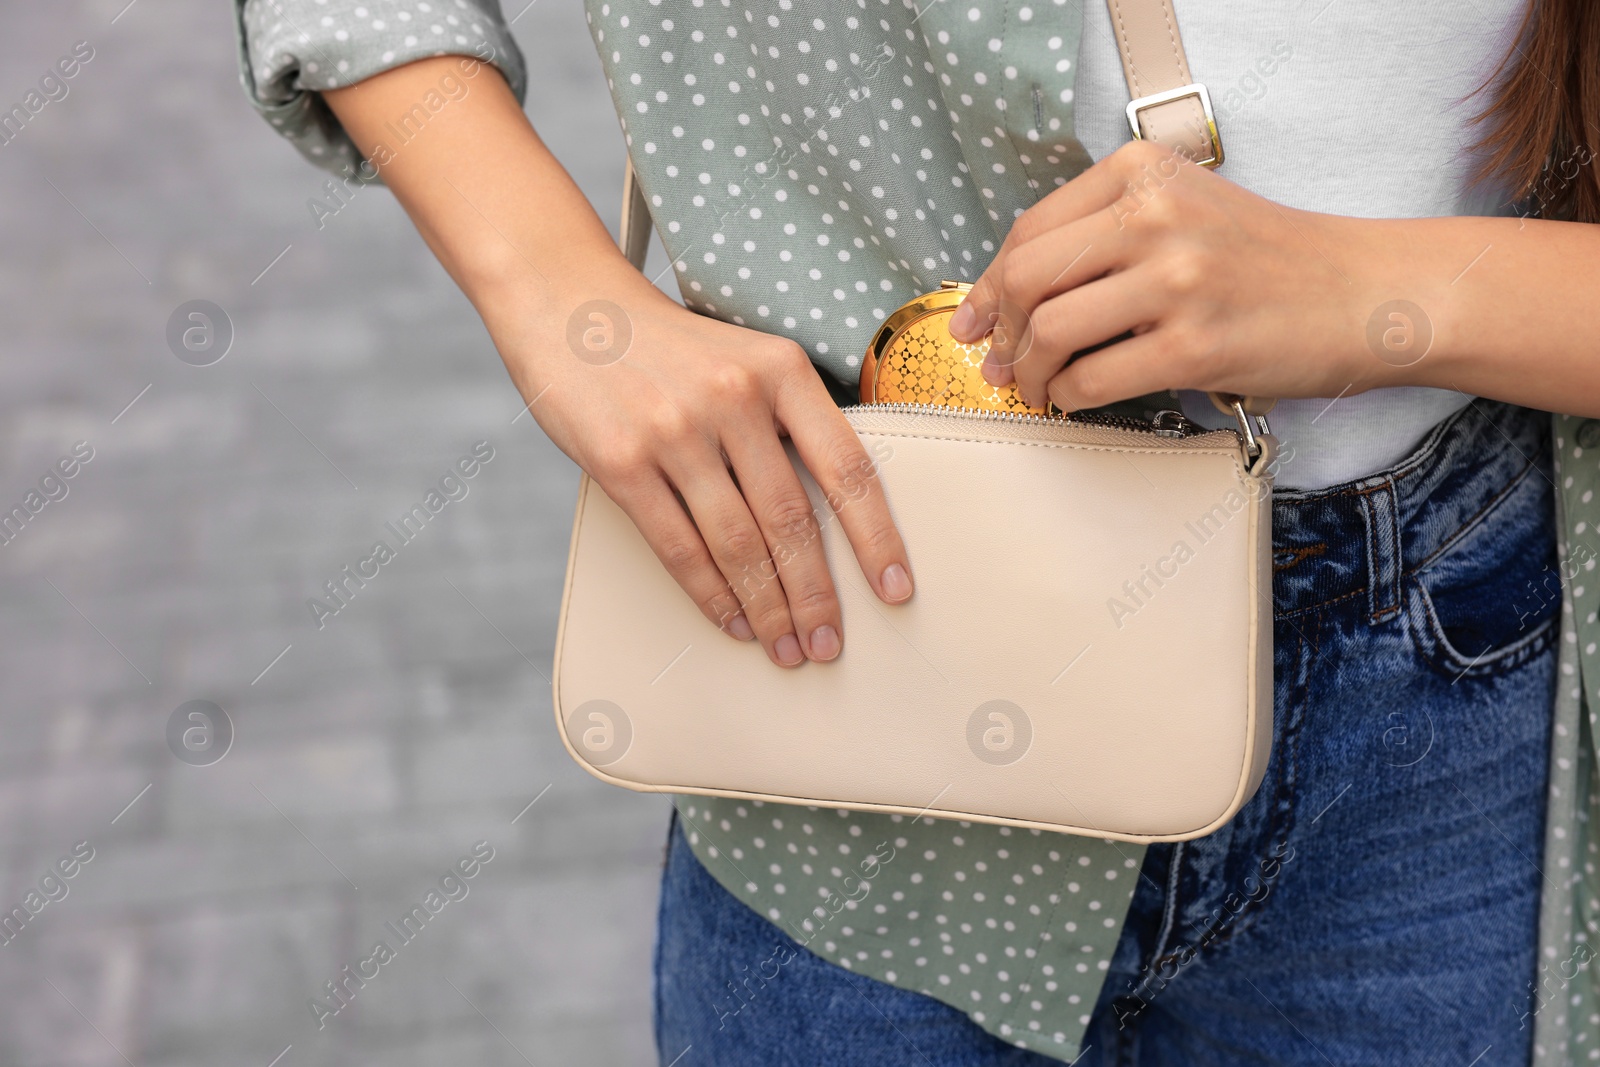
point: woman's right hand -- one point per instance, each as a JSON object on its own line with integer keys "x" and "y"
{"x": 695, "y": 408}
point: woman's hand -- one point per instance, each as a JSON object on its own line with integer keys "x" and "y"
{"x": 1221, "y": 289}
{"x": 683, "y": 429}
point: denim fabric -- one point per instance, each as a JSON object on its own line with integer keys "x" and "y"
{"x": 1375, "y": 903}
{"x": 732, "y": 989}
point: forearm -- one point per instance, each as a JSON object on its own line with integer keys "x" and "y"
{"x": 496, "y": 207}
{"x": 1512, "y": 303}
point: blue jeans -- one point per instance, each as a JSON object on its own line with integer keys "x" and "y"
{"x": 1375, "y": 903}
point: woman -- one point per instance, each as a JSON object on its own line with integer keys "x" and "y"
{"x": 1399, "y": 890}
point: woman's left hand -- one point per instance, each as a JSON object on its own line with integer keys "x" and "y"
{"x": 1222, "y": 290}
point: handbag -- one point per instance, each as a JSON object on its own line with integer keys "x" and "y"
{"x": 1089, "y": 649}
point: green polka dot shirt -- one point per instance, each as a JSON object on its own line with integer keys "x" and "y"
{"x": 810, "y": 166}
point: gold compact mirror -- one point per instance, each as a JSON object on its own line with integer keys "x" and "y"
{"x": 914, "y": 360}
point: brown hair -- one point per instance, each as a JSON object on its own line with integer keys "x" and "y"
{"x": 1544, "y": 121}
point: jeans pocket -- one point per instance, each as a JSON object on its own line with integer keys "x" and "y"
{"x": 1490, "y": 600}
{"x": 1481, "y": 635}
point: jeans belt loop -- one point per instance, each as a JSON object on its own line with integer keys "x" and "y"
{"x": 1381, "y": 508}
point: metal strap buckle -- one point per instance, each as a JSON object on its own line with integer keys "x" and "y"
{"x": 1195, "y": 90}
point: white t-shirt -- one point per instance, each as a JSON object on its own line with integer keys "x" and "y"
{"x": 1351, "y": 107}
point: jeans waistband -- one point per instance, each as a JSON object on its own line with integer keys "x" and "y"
{"x": 1360, "y": 539}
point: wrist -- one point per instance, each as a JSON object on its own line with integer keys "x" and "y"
{"x": 537, "y": 315}
{"x": 1394, "y": 306}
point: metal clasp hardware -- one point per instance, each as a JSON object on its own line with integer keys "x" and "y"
{"x": 1253, "y": 447}
{"x": 1195, "y": 90}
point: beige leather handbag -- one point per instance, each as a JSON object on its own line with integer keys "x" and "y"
{"x": 1089, "y": 649}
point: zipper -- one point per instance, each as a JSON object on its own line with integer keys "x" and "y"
{"x": 1165, "y": 423}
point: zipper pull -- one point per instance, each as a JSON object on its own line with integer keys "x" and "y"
{"x": 1170, "y": 423}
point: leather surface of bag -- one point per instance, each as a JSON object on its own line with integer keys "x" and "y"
{"x": 1089, "y": 648}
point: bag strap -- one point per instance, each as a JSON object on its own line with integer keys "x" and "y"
{"x": 1169, "y": 107}
{"x": 635, "y": 238}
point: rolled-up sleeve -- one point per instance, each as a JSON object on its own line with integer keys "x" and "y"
{"x": 291, "y": 50}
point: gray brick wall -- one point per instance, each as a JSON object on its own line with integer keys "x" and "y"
{"x": 378, "y": 749}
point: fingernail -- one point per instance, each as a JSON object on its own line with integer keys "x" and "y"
{"x": 964, "y": 321}
{"x": 824, "y": 642}
{"x": 739, "y": 626}
{"x": 787, "y": 649}
{"x": 896, "y": 583}
{"x": 991, "y": 372}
